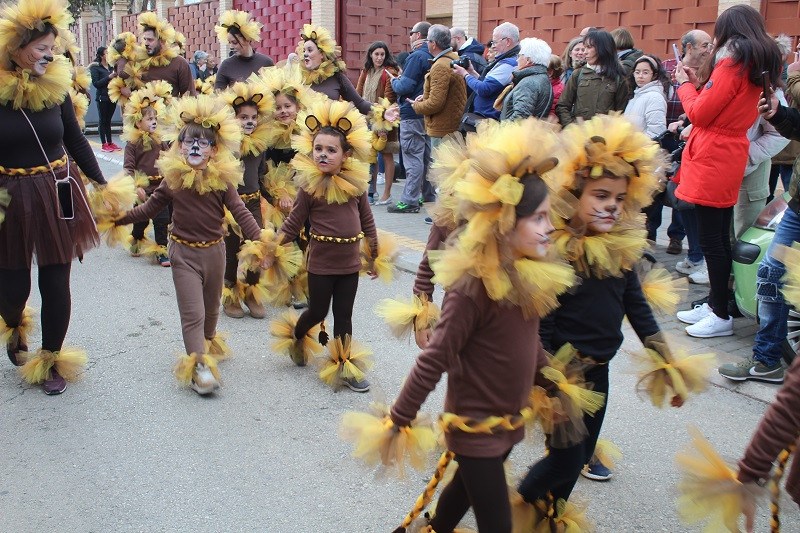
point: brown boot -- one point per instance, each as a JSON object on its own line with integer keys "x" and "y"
{"x": 233, "y": 310}
{"x": 231, "y": 301}
{"x": 256, "y": 309}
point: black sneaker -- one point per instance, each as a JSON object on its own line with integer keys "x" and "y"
{"x": 401, "y": 207}
{"x": 357, "y": 386}
{"x": 429, "y": 221}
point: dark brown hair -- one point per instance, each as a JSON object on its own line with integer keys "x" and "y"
{"x": 196, "y": 131}
{"x": 534, "y": 192}
{"x": 330, "y": 130}
{"x": 28, "y": 36}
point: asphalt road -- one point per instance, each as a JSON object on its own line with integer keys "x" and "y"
{"x": 127, "y": 449}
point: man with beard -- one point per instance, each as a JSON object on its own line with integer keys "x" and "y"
{"x": 240, "y": 31}
{"x": 161, "y": 60}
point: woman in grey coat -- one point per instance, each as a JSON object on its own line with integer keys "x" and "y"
{"x": 530, "y": 93}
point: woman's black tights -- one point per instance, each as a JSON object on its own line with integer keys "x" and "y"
{"x": 321, "y": 290}
{"x": 15, "y": 287}
{"x": 480, "y": 483}
{"x": 105, "y": 111}
{"x": 714, "y": 230}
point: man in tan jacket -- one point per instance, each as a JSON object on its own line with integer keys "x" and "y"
{"x": 444, "y": 94}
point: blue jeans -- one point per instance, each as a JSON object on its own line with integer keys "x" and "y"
{"x": 689, "y": 221}
{"x": 772, "y": 309}
{"x": 653, "y": 212}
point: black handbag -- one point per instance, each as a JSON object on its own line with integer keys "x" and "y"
{"x": 673, "y": 201}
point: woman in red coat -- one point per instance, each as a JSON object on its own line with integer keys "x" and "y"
{"x": 721, "y": 112}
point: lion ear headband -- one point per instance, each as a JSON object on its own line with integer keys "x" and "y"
{"x": 240, "y": 100}
{"x": 188, "y": 119}
{"x": 343, "y": 124}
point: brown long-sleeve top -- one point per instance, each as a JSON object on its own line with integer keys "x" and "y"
{"x": 238, "y": 68}
{"x": 196, "y": 217}
{"x": 57, "y": 128}
{"x": 423, "y": 283}
{"x": 332, "y": 220}
{"x": 177, "y": 73}
{"x": 339, "y": 86}
{"x": 491, "y": 355}
{"x": 385, "y": 90}
{"x": 778, "y": 430}
{"x": 255, "y": 166}
{"x": 137, "y": 158}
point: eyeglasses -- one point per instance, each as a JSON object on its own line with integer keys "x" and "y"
{"x": 201, "y": 142}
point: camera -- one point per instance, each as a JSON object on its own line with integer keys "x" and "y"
{"x": 462, "y": 62}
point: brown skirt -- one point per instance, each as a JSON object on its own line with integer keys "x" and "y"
{"x": 33, "y": 224}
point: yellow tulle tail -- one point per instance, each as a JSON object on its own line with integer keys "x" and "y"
{"x": 346, "y": 359}
{"x": 404, "y": 317}
{"x": 282, "y": 329}
{"x": 378, "y": 442}
{"x": 709, "y": 488}
{"x": 184, "y": 368}
{"x": 108, "y": 204}
{"x": 69, "y": 363}
{"x": 383, "y": 263}
{"x": 427, "y": 495}
{"x": 287, "y": 259}
{"x": 607, "y": 453}
{"x": 17, "y": 335}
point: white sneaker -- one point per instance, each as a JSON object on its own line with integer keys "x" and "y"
{"x": 688, "y": 267}
{"x": 693, "y": 316}
{"x": 711, "y": 326}
{"x": 700, "y": 277}
{"x": 381, "y": 178}
{"x": 203, "y": 381}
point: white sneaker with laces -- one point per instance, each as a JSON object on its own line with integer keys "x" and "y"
{"x": 700, "y": 277}
{"x": 688, "y": 267}
{"x": 695, "y": 315}
{"x": 381, "y": 178}
{"x": 203, "y": 381}
{"x": 711, "y": 326}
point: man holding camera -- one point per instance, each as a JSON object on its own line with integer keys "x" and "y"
{"x": 487, "y": 87}
{"x": 444, "y": 94}
{"x": 469, "y": 48}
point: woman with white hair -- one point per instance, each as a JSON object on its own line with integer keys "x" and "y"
{"x": 199, "y": 66}
{"x": 530, "y": 93}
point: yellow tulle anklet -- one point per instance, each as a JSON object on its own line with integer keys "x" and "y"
{"x": 405, "y": 317}
{"x": 184, "y": 368}
{"x": 152, "y": 249}
{"x": 346, "y": 359}
{"x": 378, "y": 442}
{"x": 14, "y": 336}
{"x": 258, "y": 292}
{"x": 233, "y": 294}
{"x": 282, "y": 328}
{"x": 607, "y": 453}
{"x": 383, "y": 263}
{"x": 427, "y": 495}
{"x": 69, "y": 362}
{"x": 218, "y": 348}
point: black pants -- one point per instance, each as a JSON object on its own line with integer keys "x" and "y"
{"x": 480, "y": 483}
{"x": 160, "y": 223}
{"x": 714, "y": 229}
{"x": 321, "y": 290}
{"x": 559, "y": 471}
{"x": 15, "y": 287}
{"x": 233, "y": 243}
{"x": 105, "y": 110}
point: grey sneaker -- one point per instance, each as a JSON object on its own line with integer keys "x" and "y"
{"x": 357, "y": 386}
{"x": 752, "y": 369}
{"x": 203, "y": 381}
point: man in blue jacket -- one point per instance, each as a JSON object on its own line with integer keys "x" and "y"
{"x": 414, "y": 142}
{"x": 469, "y": 48}
{"x": 487, "y": 87}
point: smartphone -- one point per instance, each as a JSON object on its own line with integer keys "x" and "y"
{"x": 675, "y": 50}
{"x": 765, "y": 86}
{"x": 64, "y": 193}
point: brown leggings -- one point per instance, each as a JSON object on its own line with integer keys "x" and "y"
{"x": 197, "y": 274}
{"x": 480, "y": 483}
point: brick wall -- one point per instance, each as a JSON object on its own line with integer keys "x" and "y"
{"x": 129, "y": 23}
{"x": 95, "y": 37}
{"x": 196, "y": 22}
{"x": 367, "y": 21}
{"x": 438, "y": 8}
{"x": 283, "y": 21}
{"x": 654, "y": 25}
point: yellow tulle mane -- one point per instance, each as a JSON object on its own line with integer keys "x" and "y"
{"x": 22, "y": 90}
{"x": 128, "y": 53}
{"x": 279, "y": 181}
{"x": 67, "y": 44}
{"x": 325, "y": 70}
{"x": 208, "y": 111}
{"x": 155, "y": 94}
{"x": 223, "y": 170}
{"x": 249, "y": 28}
{"x": 256, "y": 142}
{"x": 80, "y": 103}
{"x": 253, "y": 92}
{"x": 340, "y": 115}
{"x": 331, "y": 64}
{"x": 17, "y": 19}
{"x": 164, "y": 30}
{"x": 163, "y": 58}
{"x": 351, "y": 182}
